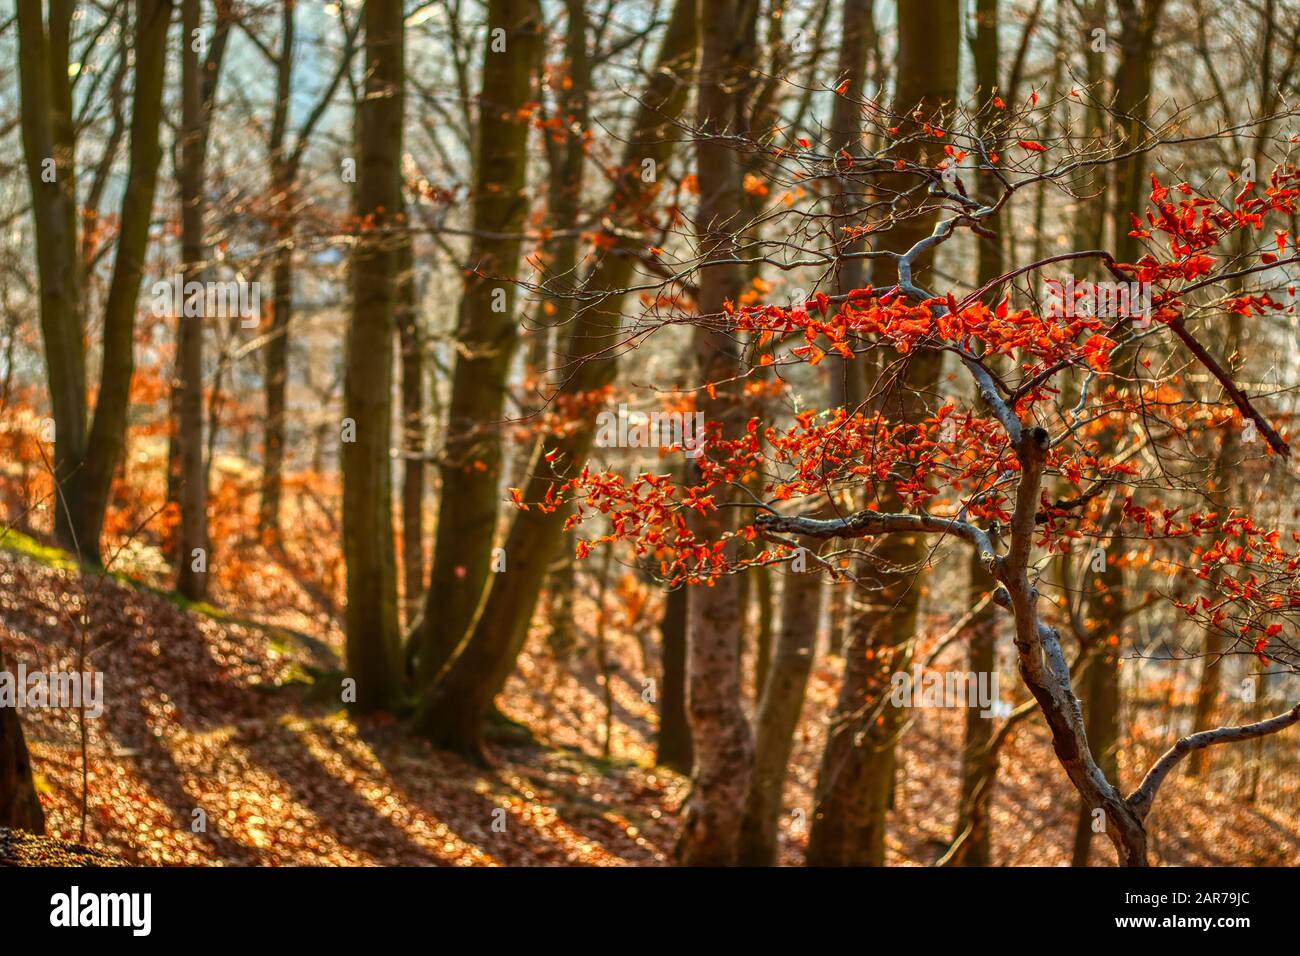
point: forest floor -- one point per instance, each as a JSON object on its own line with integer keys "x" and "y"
{"x": 222, "y": 743}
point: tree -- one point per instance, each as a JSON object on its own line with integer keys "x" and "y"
{"x": 20, "y": 807}
{"x": 856, "y": 780}
{"x": 453, "y": 707}
{"x": 982, "y": 654}
{"x": 374, "y": 640}
{"x": 486, "y": 338}
{"x": 88, "y": 446}
{"x": 673, "y": 747}
{"x": 198, "y": 92}
{"x": 999, "y": 458}
{"x": 710, "y": 830}
{"x": 285, "y": 161}
{"x": 778, "y": 710}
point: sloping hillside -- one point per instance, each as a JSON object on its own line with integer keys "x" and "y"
{"x": 222, "y": 742}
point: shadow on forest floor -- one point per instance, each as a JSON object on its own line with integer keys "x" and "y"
{"x": 209, "y": 753}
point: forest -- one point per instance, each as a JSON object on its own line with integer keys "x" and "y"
{"x": 649, "y": 433}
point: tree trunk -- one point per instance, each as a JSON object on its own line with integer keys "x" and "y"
{"x": 1223, "y": 494}
{"x": 85, "y": 463}
{"x": 710, "y": 827}
{"x": 982, "y": 635}
{"x": 567, "y": 164}
{"x": 778, "y": 714}
{"x": 856, "y": 777}
{"x": 673, "y": 748}
{"x": 284, "y": 174}
{"x": 764, "y": 601}
{"x": 453, "y": 707}
{"x": 486, "y": 336}
{"x": 276, "y": 357}
{"x": 20, "y": 807}
{"x": 1131, "y": 106}
{"x": 411, "y": 344}
{"x": 982, "y": 657}
{"x": 1089, "y": 227}
{"x": 47, "y": 135}
{"x": 848, "y": 387}
{"x": 1099, "y": 681}
{"x": 374, "y": 642}
{"x": 198, "y": 87}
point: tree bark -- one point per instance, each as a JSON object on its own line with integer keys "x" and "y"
{"x": 567, "y": 162}
{"x": 1099, "y": 681}
{"x": 85, "y": 462}
{"x": 276, "y": 354}
{"x": 710, "y": 827}
{"x": 673, "y": 748}
{"x": 982, "y": 635}
{"x": 976, "y": 775}
{"x": 1132, "y": 92}
{"x": 20, "y": 807}
{"x": 411, "y": 344}
{"x": 198, "y": 91}
{"x": 857, "y": 37}
{"x": 374, "y": 641}
{"x": 486, "y": 337}
{"x": 453, "y": 707}
{"x": 856, "y": 777}
{"x": 778, "y": 714}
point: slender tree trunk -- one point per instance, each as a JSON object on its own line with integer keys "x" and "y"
{"x": 856, "y": 778}
{"x": 1132, "y": 86}
{"x": 982, "y": 634}
{"x": 1223, "y": 494}
{"x": 982, "y": 658}
{"x": 486, "y": 336}
{"x": 763, "y": 639}
{"x": 411, "y": 344}
{"x": 1089, "y": 227}
{"x": 198, "y": 86}
{"x": 454, "y": 706}
{"x": 284, "y": 175}
{"x": 85, "y": 462}
{"x": 374, "y": 642}
{"x": 778, "y": 714}
{"x": 673, "y": 749}
{"x": 276, "y": 357}
{"x": 602, "y": 653}
{"x": 857, "y": 36}
{"x": 567, "y": 163}
{"x": 1099, "y": 680}
{"x": 49, "y": 151}
{"x": 561, "y": 580}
